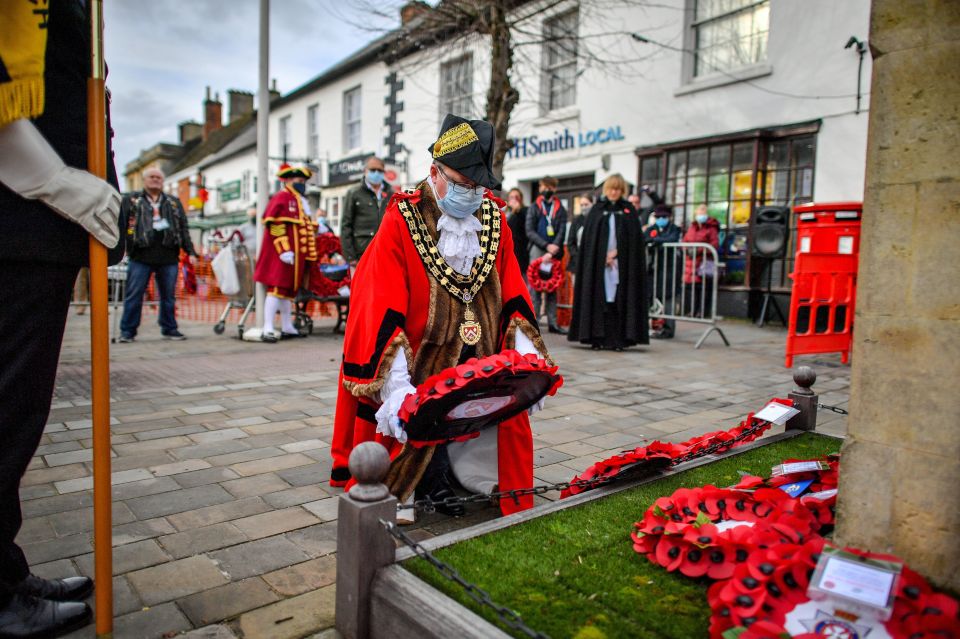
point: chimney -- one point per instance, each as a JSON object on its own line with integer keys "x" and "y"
{"x": 212, "y": 115}
{"x": 190, "y": 131}
{"x": 411, "y": 10}
{"x": 274, "y": 94}
{"x": 240, "y": 104}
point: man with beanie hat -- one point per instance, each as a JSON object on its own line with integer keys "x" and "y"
{"x": 288, "y": 244}
{"x": 438, "y": 285}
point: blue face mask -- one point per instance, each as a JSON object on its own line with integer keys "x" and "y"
{"x": 702, "y": 219}
{"x": 375, "y": 177}
{"x": 661, "y": 221}
{"x": 458, "y": 205}
{"x": 299, "y": 187}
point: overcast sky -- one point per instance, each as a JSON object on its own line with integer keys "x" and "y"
{"x": 162, "y": 55}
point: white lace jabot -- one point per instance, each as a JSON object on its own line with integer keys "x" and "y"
{"x": 459, "y": 243}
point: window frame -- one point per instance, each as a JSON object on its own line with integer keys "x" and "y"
{"x": 347, "y": 122}
{"x": 283, "y": 136}
{"x": 446, "y": 101}
{"x": 313, "y": 131}
{"x": 719, "y": 77}
{"x": 548, "y": 72}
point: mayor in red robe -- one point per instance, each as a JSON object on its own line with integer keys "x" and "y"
{"x": 404, "y": 305}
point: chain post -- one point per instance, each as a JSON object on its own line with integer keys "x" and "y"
{"x": 804, "y": 399}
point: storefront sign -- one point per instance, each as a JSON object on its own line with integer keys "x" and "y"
{"x": 533, "y": 145}
{"x": 230, "y": 191}
{"x": 348, "y": 169}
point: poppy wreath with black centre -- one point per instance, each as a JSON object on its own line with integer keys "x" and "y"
{"x": 655, "y": 451}
{"x": 820, "y": 496}
{"x": 328, "y": 244}
{"x": 763, "y": 595}
{"x": 538, "y": 282}
{"x": 709, "y": 531}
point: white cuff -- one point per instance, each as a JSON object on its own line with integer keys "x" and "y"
{"x": 396, "y": 387}
{"x": 524, "y": 346}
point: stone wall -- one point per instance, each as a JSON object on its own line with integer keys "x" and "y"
{"x": 900, "y": 483}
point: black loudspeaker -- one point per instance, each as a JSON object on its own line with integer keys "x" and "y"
{"x": 770, "y": 229}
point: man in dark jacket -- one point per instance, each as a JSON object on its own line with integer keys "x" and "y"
{"x": 48, "y": 208}
{"x": 157, "y": 231}
{"x": 363, "y": 209}
{"x": 663, "y": 277}
{"x": 546, "y": 227}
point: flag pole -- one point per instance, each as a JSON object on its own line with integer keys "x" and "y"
{"x": 99, "y": 338}
{"x": 263, "y": 136}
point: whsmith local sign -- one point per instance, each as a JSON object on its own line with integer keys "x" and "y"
{"x": 533, "y": 145}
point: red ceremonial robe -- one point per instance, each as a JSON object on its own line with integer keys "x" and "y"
{"x": 286, "y": 228}
{"x": 395, "y": 303}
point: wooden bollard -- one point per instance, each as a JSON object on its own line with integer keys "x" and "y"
{"x": 805, "y": 400}
{"x": 363, "y": 546}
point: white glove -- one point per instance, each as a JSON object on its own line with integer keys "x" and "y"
{"x": 395, "y": 389}
{"x": 30, "y": 167}
{"x": 524, "y": 346}
{"x": 287, "y": 257}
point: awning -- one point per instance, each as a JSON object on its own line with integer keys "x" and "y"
{"x": 218, "y": 221}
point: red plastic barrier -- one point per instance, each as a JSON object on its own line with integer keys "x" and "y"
{"x": 824, "y": 279}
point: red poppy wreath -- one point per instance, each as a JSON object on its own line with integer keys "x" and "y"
{"x": 767, "y": 596}
{"x": 538, "y": 282}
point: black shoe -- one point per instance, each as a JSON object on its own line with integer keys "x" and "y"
{"x": 26, "y": 617}
{"x": 69, "y": 589}
{"x": 174, "y": 334}
{"x": 291, "y": 335}
{"x": 557, "y": 330}
{"x": 442, "y": 490}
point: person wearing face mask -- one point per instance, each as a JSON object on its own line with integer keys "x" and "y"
{"x": 546, "y": 229}
{"x": 517, "y": 220}
{"x": 363, "y": 209}
{"x": 707, "y": 230}
{"x": 289, "y": 242}
{"x": 438, "y": 285}
{"x": 662, "y": 231}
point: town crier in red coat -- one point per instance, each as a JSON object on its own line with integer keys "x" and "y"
{"x": 438, "y": 285}
{"x": 289, "y": 242}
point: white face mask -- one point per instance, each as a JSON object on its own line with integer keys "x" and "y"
{"x": 454, "y": 204}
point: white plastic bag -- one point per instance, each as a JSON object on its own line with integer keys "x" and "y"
{"x": 225, "y": 270}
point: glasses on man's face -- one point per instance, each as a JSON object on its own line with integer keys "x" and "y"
{"x": 459, "y": 187}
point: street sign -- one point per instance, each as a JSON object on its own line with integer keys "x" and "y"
{"x": 230, "y": 191}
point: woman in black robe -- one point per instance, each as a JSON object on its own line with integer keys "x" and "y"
{"x": 609, "y": 295}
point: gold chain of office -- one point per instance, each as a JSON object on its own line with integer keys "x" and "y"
{"x": 463, "y": 287}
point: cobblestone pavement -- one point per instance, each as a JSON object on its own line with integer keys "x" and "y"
{"x": 224, "y": 522}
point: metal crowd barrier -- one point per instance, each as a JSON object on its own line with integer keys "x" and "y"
{"x": 673, "y": 297}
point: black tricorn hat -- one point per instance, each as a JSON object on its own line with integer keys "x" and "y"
{"x": 467, "y": 146}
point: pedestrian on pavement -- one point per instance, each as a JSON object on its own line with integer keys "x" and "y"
{"x": 410, "y": 319}
{"x": 663, "y": 281}
{"x": 287, "y": 251}
{"x": 575, "y": 232}
{"x": 609, "y": 297}
{"x": 517, "y": 221}
{"x": 48, "y": 206}
{"x": 698, "y": 269}
{"x": 156, "y": 233}
{"x": 249, "y": 232}
{"x": 363, "y": 209}
{"x": 546, "y": 228}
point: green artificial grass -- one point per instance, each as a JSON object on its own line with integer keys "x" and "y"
{"x": 575, "y": 574}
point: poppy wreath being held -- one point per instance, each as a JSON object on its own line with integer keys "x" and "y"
{"x": 767, "y": 595}
{"x": 710, "y": 531}
{"x": 550, "y": 284}
{"x": 328, "y": 244}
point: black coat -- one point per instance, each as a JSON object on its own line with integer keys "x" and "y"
{"x": 630, "y": 317}
{"x": 517, "y": 223}
{"x": 573, "y": 242}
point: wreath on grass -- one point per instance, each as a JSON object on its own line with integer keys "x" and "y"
{"x": 536, "y": 279}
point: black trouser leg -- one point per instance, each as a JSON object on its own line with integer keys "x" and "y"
{"x": 34, "y": 300}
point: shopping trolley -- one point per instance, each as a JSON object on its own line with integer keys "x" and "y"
{"x": 245, "y": 297}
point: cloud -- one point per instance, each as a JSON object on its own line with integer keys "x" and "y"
{"x": 162, "y": 56}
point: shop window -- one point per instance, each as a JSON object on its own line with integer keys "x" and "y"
{"x": 456, "y": 87}
{"x": 728, "y": 35}
{"x": 559, "y": 77}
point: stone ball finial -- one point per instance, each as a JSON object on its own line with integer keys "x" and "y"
{"x": 369, "y": 463}
{"x": 804, "y": 377}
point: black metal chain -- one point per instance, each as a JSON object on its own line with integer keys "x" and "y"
{"x": 428, "y": 505}
{"x": 835, "y": 409}
{"x": 509, "y": 617}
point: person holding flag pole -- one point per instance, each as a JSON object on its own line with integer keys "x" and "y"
{"x": 54, "y": 218}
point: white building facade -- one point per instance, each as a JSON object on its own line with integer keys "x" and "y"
{"x": 732, "y": 103}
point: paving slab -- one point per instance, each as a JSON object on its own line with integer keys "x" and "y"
{"x": 292, "y": 618}
{"x": 176, "y": 579}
